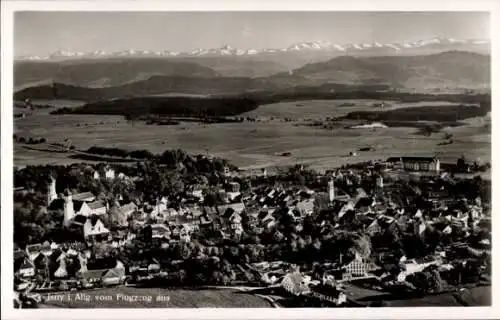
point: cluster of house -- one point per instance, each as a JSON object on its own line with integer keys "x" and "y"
{"x": 329, "y": 287}
{"x": 176, "y": 219}
{"x": 40, "y": 259}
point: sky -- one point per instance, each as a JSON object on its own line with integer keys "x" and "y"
{"x": 41, "y": 33}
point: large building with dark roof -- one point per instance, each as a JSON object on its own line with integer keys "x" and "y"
{"x": 416, "y": 163}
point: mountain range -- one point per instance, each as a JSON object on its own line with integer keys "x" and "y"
{"x": 409, "y": 47}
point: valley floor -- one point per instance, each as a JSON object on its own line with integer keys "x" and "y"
{"x": 252, "y": 145}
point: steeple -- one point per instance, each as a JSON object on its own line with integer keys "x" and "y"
{"x": 331, "y": 190}
{"x": 380, "y": 181}
{"x": 69, "y": 211}
{"x": 51, "y": 194}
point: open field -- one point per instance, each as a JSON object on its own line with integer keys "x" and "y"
{"x": 475, "y": 297}
{"x": 316, "y": 109}
{"x": 254, "y": 144}
{"x": 58, "y": 103}
{"x": 176, "y": 298}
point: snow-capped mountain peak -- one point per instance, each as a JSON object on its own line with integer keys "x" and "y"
{"x": 393, "y": 46}
{"x": 338, "y": 47}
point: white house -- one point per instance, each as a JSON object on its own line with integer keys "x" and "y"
{"x": 83, "y": 264}
{"x": 447, "y": 230}
{"x": 306, "y": 207}
{"x": 92, "y": 230}
{"x": 34, "y": 249}
{"x": 294, "y": 283}
{"x": 160, "y": 231}
{"x": 411, "y": 266}
{"x": 233, "y": 195}
{"x": 122, "y": 176}
{"x": 109, "y": 173}
{"x": 92, "y": 208}
{"x": 401, "y": 276}
{"x": 128, "y": 209}
{"x": 418, "y": 214}
{"x": 61, "y": 272}
{"x": 184, "y": 235}
{"x": 27, "y": 269}
{"x": 346, "y": 207}
{"x": 160, "y": 206}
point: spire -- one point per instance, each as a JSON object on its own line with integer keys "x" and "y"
{"x": 331, "y": 190}
{"x": 69, "y": 211}
{"x": 52, "y": 194}
{"x": 380, "y": 181}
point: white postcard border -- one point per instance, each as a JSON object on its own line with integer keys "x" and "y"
{"x": 10, "y": 6}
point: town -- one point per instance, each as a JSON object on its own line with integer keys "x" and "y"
{"x": 401, "y": 227}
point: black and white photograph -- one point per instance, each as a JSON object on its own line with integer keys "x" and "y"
{"x": 249, "y": 159}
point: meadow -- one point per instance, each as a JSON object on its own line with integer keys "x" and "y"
{"x": 257, "y": 144}
{"x": 316, "y": 109}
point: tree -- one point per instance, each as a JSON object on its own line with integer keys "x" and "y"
{"x": 72, "y": 265}
{"x": 301, "y": 243}
{"x": 226, "y": 280}
{"x": 185, "y": 251}
{"x": 461, "y": 164}
{"x": 177, "y": 186}
{"x": 217, "y": 277}
{"x": 254, "y": 253}
{"x": 362, "y": 245}
{"x": 210, "y": 199}
{"x": 147, "y": 233}
{"x": 301, "y": 180}
{"x": 317, "y": 244}
{"x": 436, "y": 283}
{"x": 427, "y": 281}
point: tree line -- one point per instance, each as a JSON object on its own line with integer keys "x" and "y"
{"x": 167, "y": 106}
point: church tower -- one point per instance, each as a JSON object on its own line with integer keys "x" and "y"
{"x": 331, "y": 190}
{"x": 380, "y": 182}
{"x": 51, "y": 194}
{"x": 69, "y": 211}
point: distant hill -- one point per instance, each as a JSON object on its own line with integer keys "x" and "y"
{"x": 453, "y": 69}
{"x": 103, "y": 73}
{"x": 240, "y": 66}
{"x": 155, "y": 85}
{"x": 448, "y": 70}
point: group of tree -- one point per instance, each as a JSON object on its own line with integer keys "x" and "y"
{"x": 171, "y": 158}
{"x": 167, "y": 106}
{"x": 30, "y": 140}
{"x": 448, "y": 113}
{"x": 427, "y": 281}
